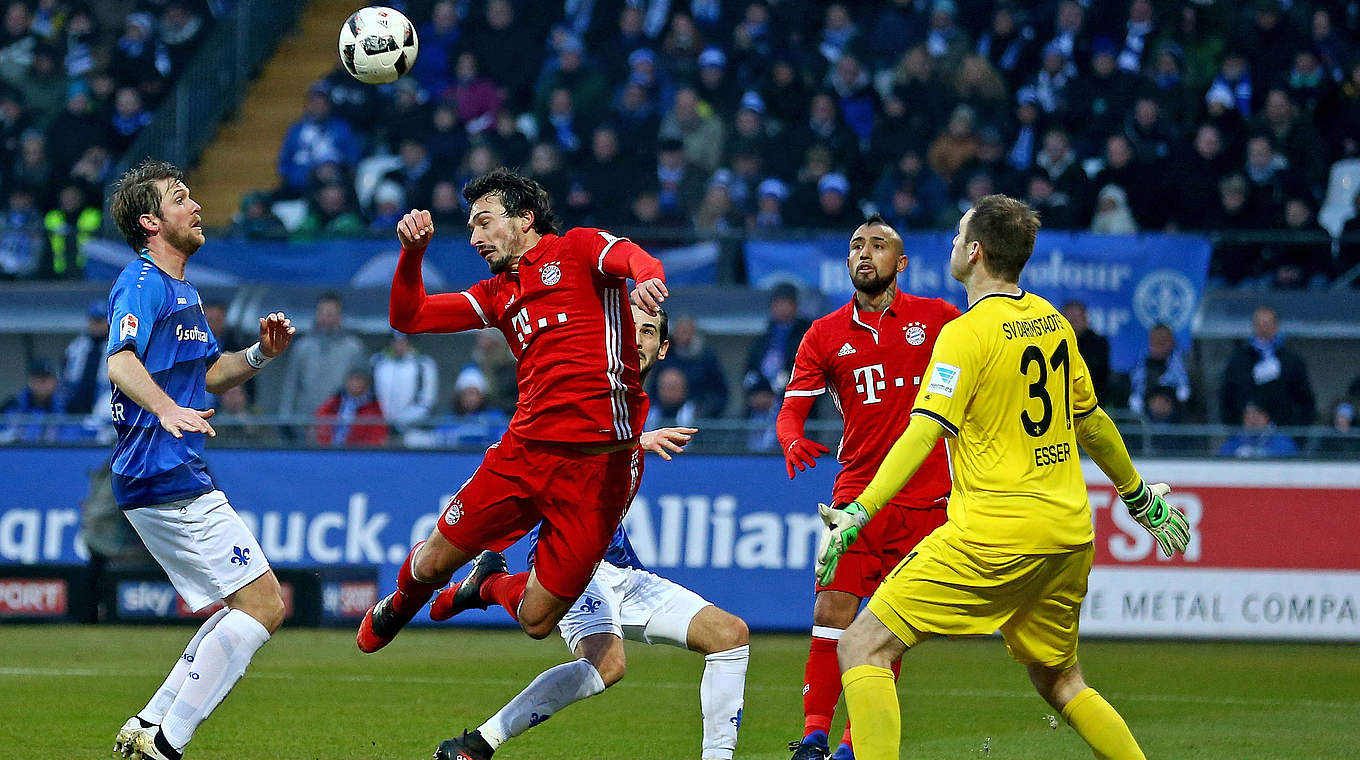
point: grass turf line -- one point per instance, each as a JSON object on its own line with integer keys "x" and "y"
{"x": 310, "y": 695}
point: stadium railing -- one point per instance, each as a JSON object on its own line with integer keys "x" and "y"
{"x": 717, "y": 436}
{"x": 212, "y": 84}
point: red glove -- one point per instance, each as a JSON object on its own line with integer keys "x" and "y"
{"x": 802, "y": 453}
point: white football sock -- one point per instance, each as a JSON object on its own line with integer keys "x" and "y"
{"x": 554, "y": 689}
{"x": 721, "y": 693}
{"x": 155, "y": 710}
{"x": 220, "y": 662}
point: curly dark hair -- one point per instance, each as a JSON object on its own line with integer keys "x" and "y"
{"x": 518, "y": 194}
{"x": 135, "y": 193}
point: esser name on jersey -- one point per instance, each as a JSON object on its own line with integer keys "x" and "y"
{"x": 1031, "y": 328}
{"x": 1052, "y": 454}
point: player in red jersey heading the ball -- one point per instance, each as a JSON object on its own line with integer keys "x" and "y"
{"x": 870, "y": 354}
{"x": 570, "y": 458}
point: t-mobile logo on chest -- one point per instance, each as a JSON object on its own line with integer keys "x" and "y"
{"x": 524, "y": 325}
{"x": 869, "y": 382}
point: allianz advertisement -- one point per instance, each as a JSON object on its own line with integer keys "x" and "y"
{"x": 738, "y": 531}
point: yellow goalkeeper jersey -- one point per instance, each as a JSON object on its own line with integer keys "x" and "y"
{"x": 1006, "y": 381}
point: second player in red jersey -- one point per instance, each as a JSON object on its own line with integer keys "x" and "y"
{"x": 570, "y": 458}
{"x": 870, "y": 355}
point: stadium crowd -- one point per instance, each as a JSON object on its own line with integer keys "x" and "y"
{"x": 78, "y": 81}
{"x": 1114, "y": 116}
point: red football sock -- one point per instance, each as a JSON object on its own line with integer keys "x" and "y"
{"x": 821, "y": 684}
{"x": 506, "y": 590}
{"x": 897, "y": 671}
{"x": 411, "y": 594}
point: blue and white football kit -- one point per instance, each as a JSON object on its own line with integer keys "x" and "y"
{"x": 626, "y": 599}
{"x": 161, "y": 481}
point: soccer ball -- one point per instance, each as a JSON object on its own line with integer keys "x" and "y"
{"x": 377, "y": 45}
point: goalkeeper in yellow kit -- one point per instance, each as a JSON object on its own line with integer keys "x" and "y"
{"x": 1011, "y": 394}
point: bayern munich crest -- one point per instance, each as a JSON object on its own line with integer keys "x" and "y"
{"x": 454, "y": 513}
{"x": 915, "y": 333}
{"x": 550, "y": 274}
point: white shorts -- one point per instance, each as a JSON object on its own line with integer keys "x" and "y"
{"x": 202, "y": 544}
{"x": 631, "y": 604}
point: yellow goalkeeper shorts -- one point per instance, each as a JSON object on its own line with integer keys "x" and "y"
{"x": 949, "y": 587}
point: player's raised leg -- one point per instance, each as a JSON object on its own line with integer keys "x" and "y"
{"x": 866, "y": 653}
{"x": 429, "y": 566}
{"x": 1094, "y": 719}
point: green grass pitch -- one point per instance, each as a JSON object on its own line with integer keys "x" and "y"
{"x": 310, "y": 695}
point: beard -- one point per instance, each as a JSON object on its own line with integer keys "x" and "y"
{"x": 499, "y": 262}
{"x": 872, "y": 284}
{"x": 187, "y": 241}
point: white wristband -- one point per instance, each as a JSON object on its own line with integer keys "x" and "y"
{"x": 256, "y": 358}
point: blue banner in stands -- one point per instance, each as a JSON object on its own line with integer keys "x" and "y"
{"x": 449, "y": 264}
{"x": 1129, "y": 283}
{"x": 703, "y": 521}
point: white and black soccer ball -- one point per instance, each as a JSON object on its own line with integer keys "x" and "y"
{"x": 377, "y": 45}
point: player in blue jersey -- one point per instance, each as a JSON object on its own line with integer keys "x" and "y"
{"x": 622, "y": 601}
{"x": 162, "y": 361}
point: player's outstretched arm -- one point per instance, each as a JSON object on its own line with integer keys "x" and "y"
{"x": 665, "y": 441}
{"x": 128, "y": 373}
{"x": 412, "y": 310}
{"x": 232, "y": 369}
{"x": 1098, "y": 436}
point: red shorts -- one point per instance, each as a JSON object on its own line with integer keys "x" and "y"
{"x": 889, "y": 537}
{"x": 579, "y": 498}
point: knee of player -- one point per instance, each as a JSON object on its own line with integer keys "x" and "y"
{"x": 733, "y": 633}
{"x": 611, "y": 664}
{"x": 538, "y": 629}
{"x": 271, "y": 616}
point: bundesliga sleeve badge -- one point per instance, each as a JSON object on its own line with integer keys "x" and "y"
{"x": 127, "y": 327}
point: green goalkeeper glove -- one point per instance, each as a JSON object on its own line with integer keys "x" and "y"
{"x": 842, "y": 528}
{"x": 1166, "y": 523}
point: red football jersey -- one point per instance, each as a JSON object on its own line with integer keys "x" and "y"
{"x": 872, "y": 363}
{"x": 565, "y": 312}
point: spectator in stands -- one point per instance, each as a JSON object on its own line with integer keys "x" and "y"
{"x": 1058, "y": 162}
{"x": 471, "y": 422}
{"x": 715, "y": 85}
{"x": 858, "y": 101}
{"x": 351, "y": 417}
{"x": 1233, "y": 263}
{"x": 1348, "y": 257}
{"x": 497, "y": 32}
{"x": 1265, "y": 173}
{"x": 237, "y": 423}
{"x": 1197, "y": 178}
{"x": 1160, "y": 369}
{"x": 447, "y": 139}
{"x": 681, "y": 183}
{"x": 140, "y": 60}
{"x": 69, "y": 228}
{"x": 1300, "y": 263}
{"x": 492, "y": 356}
{"x": 256, "y": 221}
{"x": 771, "y": 356}
{"x": 476, "y": 97}
{"x": 331, "y": 212}
{"x": 835, "y": 208}
{"x": 389, "y": 203}
{"x": 1093, "y": 347}
{"x": 1345, "y": 432}
{"x": 446, "y": 207}
{"x": 405, "y": 382}
{"x": 1112, "y": 216}
{"x": 563, "y": 125}
{"x": 18, "y": 43}
{"x": 1292, "y": 134}
{"x": 80, "y": 127}
{"x": 701, "y": 134}
{"x": 21, "y": 417}
{"x": 771, "y": 194}
{"x": 85, "y": 376}
{"x": 699, "y": 363}
{"x": 762, "y": 409}
{"x": 44, "y": 86}
{"x": 180, "y": 27}
{"x": 716, "y": 213}
{"x": 1258, "y": 438}
{"x": 672, "y": 406}
{"x": 438, "y": 40}
{"x": 415, "y": 174}
{"x": 1267, "y": 372}
{"x": 319, "y": 359}
{"x": 1101, "y": 99}
{"x": 956, "y": 146}
{"x": 23, "y": 243}
{"x": 129, "y": 118}
{"x": 317, "y": 138}
{"x": 824, "y": 128}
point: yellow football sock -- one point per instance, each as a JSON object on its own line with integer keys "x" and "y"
{"x": 1096, "y": 722}
{"x": 875, "y": 719}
